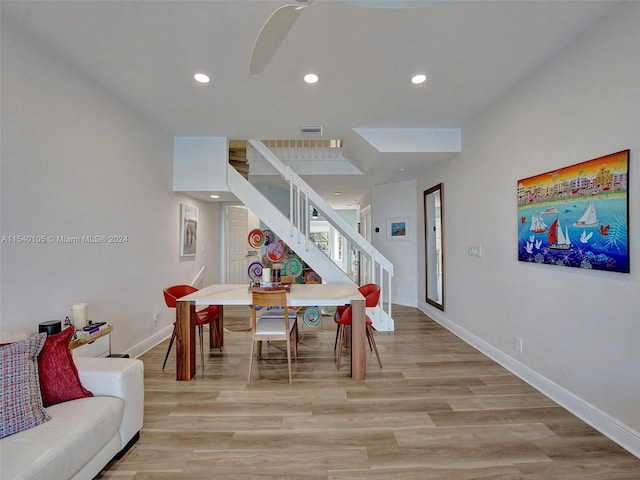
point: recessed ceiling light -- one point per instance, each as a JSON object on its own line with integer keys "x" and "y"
{"x": 418, "y": 79}
{"x": 336, "y": 193}
{"x": 201, "y": 78}
{"x": 401, "y": 169}
{"x": 311, "y": 78}
{"x": 214, "y": 196}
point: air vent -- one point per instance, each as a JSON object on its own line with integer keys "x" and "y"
{"x": 315, "y": 130}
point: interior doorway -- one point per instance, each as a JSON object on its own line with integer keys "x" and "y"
{"x": 236, "y": 228}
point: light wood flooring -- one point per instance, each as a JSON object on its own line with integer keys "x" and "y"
{"x": 437, "y": 410}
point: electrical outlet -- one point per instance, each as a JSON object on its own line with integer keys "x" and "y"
{"x": 475, "y": 251}
{"x": 155, "y": 318}
{"x": 518, "y": 344}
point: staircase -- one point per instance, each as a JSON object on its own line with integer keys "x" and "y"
{"x": 279, "y": 224}
{"x": 197, "y": 168}
{"x": 293, "y": 229}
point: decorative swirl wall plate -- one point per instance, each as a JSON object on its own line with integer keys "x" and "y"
{"x": 256, "y": 238}
{"x": 275, "y": 251}
{"x": 255, "y": 271}
{"x": 312, "y": 277}
{"x": 269, "y": 237}
{"x": 329, "y": 310}
{"x": 311, "y": 317}
{"x": 293, "y": 267}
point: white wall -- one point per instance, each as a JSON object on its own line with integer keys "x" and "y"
{"x": 394, "y": 200}
{"x": 580, "y": 328}
{"x": 200, "y": 164}
{"x": 77, "y": 161}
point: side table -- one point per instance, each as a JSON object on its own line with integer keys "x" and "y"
{"x": 97, "y": 344}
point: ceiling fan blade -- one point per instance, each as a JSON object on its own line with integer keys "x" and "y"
{"x": 392, "y": 4}
{"x": 272, "y": 34}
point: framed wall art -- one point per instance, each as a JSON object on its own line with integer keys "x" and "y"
{"x": 398, "y": 228}
{"x": 577, "y": 216}
{"x": 188, "y": 230}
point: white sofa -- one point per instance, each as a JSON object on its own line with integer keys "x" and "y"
{"x": 83, "y": 435}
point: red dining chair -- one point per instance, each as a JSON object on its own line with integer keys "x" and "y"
{"x": 208, "y": 316}
{"x": 371, "y": 294}
{"x": 343, "y": 320}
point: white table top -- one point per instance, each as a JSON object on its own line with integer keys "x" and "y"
{"x": 301, "y": 295}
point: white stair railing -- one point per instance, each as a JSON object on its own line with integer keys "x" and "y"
{"x": 301, "y": 195}
{"x": 279, "y": 224}
{"x": 197, "y": 278}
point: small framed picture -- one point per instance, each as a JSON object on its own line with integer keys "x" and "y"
{"x": 398, "y": 228}
{"x": 188, "y": 230}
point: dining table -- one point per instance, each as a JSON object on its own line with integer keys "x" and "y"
{"x": 298, "y": 295}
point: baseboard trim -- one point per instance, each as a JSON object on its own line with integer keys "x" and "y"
{"x": 404, "y": 301}
{"x": 150, "y": 342}
{"x": 626, "y": 437}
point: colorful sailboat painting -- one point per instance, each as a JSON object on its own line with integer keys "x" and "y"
{"x": 587, "y": 207}
{"x": 589, "y": 218}
{"x": 557, "y": 239}
{"x": 549, "y": 211}
{"x": 537, "y": 224}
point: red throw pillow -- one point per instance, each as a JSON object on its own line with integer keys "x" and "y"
{"x": 59, "y": 379}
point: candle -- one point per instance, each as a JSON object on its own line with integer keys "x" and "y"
{"x": 266, "y": 275}
{"x": 79, "y": 315}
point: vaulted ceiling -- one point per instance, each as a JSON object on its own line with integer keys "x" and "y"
{"x": 472, "y": 52}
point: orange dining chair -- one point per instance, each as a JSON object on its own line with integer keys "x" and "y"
{"x": 371, "y": 294}
{"x": 343, "y": 321}
{"x": 208, "y": 316}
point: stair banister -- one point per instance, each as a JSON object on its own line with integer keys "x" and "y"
{"x": 297, "y": 188}
{"x": 346, "y": 229}
{"x": 307, "y": 227}
{"x": 279, "y": 223}
{"x": 288, "y": 177}
{"x": 197, "y": 278}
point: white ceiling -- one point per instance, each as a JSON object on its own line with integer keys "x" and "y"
{"x": 473, "y": 52}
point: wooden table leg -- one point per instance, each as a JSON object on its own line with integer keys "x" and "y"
{"x": 358, "y": 340}
{"x": 185, "y": 340}
{"x": 213, "y": 343}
